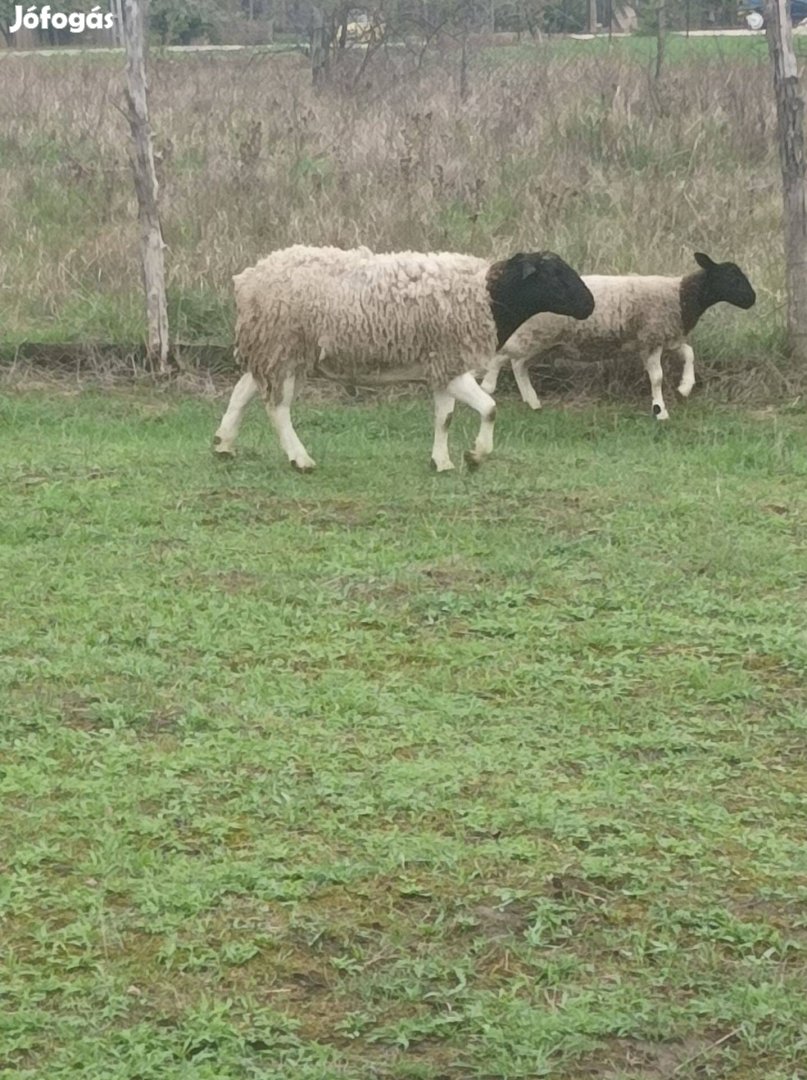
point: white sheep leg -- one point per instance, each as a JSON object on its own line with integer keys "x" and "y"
{"x": 443, "y": 411}
{"x": 488, "y": 384}
{"x": 244, "y": 391}
{"x": 466, "y": 389}
{"x": 280, "y": 415}
{"x": 525, "y": 387}
{"x": 652, "y": 366}
{"x": 688, "y": 374}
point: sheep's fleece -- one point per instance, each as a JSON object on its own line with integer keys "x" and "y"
{"x": 638, "y": 313}
{"x": 375, "y": 312}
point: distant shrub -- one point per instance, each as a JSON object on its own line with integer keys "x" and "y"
{"x": 181, "y": 22}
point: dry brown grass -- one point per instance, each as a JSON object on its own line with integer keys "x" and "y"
{"x": 583, "y": 154}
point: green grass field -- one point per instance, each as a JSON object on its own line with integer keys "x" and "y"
{"x": 378, "y": 774}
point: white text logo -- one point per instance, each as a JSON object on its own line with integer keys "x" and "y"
{"x": 76, "y": 21}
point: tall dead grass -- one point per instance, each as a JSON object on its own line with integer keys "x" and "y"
{"x": 582, "y": 154}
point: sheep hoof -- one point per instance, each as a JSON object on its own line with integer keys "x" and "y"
{"x": 472, "y": 461}
{"x": 685, "y": 389}
{"x": 445, "y": 467}
{"x": 220, "y": 450}
{"x": 302, "y": 466}
{"x": 659, "y": 414}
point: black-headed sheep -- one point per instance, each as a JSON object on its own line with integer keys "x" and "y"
{"x": 642, "y": 315}
{"x": 443, "y": 315}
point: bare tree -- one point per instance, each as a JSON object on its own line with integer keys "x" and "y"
{"x": 116, "y": 30}
{"x": 320, "y": 46}
{"x": 141, "y": 154}
{"x": 790, "y": 113}
{"x": 464, "y": 31}
{"x": 592, "y": 16}
{"x": 661, "y": 25}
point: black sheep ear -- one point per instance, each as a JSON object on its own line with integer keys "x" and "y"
{"x": 704, "y": 261}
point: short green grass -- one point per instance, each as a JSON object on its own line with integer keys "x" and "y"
{"x": 378, "y": 774}
{"x": 678, "y": 48}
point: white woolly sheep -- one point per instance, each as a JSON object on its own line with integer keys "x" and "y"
{"x": 439, "y": 315}
{"x": 632, "y": 313}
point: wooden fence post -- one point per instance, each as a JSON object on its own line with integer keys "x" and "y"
{"x": 790, "y": 114}
{"x": 145, "y": 178}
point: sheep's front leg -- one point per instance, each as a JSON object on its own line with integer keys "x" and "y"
{"x": 245, "y": 389}
{"x": 465, "y": 388}
{"x": 443, "y": 412}
{"x": 525, "y": 387}
{"x": 653, "y": 368}
{"x": 280, "y": 415}
{"x": 688, "y": 374}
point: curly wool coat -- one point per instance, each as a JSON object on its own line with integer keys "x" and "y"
{"x": 363, "y": 312}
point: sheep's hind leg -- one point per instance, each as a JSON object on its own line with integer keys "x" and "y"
{"x": 243, "y": 392}
{"x": 653, "y": 368}
{"x": 466, "y": 389}
{"x": 525, "y": 387}
{"x": 488, "y": 383}
{"x": 280, "y": 415}
{"x": 443, "y": 412}
{"x": 688, "y": 374}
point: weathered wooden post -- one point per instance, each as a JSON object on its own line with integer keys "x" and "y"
{"x": 790, "y": 113}
{"x": 141, "y": 154}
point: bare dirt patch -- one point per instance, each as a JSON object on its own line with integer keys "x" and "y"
{"x": 644, "y": 1059}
